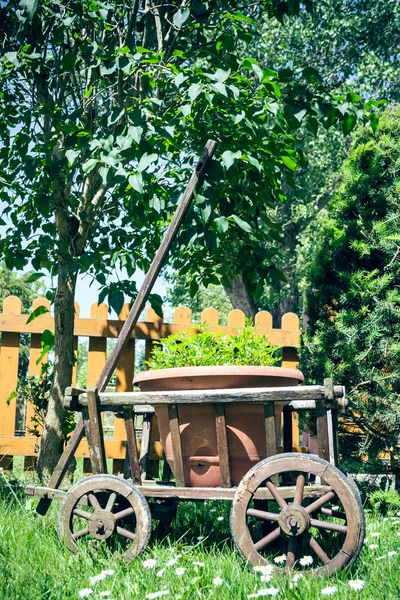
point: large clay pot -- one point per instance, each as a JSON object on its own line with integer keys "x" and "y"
{"x": 245, "y": 421}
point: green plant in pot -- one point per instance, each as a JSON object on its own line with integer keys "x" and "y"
{"x": 213, "y": 360}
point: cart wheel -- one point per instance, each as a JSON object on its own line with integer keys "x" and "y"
{"x": 305, "y": 524}
{"x": 105, "y": 507}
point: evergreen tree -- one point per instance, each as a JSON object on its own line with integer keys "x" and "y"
{"x": 353, "y": 292}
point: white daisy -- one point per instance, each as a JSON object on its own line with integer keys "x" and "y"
{"x": 267, "y": 569}
{"x": 220, "y": 518}
{"x": 85, "y": 592}
{"x": 266, "y": 578}
{"x": 380, "y": 557}
{"x": 150, "y": 563}
{"x": 200, "y": 537}
{"x": 375, "y": 534}
{"x": 171, "y": 562}
{"x": 180, "y": 571}
{"x": 356, "y": 584}
{"x": 108, "y": 572}
{"x": 97, "y": 578}
{"x": 153, "y": 595}
{"x": 258, "y": 568}
{"x": 217, "y": 581}
{"x": 366, "y": 541}
{"x": 280, "y": 559}
{"x": 105, "y": 594}
{"x": 198, "y": 564}
{"x": 272, "y": 591}
{"x": 160, "y": 573}
{"x": 296, "y": 577}
{"x": 373, "y": 546}
{"x": 398, "y": 533}
{"x": 392, "y": 553}
{"x": 252, "y": 596}
{"x": 329, "y": 591}
{"x": 306, "y": 561}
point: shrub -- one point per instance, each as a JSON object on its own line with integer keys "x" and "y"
{"x": 212, "y": 348}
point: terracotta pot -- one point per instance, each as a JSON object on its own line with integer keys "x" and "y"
{"x": 245, "y": 421}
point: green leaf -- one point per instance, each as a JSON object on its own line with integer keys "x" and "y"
{"x": 239, "y": 117}
{"x": 68, "y": 61}
{"x": 374, "y": 120}
{"x": 349, "y": 122}
{"x": 146, "y": 161}
{"x": 285, "y": 75}
{"x": 30, "y": 6}
{"x": 34, "y": 277}
{"x": 116, "y": 115}
{"x": 179, "y": 79}
{"x": 12, "y": 57}
{"x": 229, "y": 157}
{"x": 289, "y": 162}
{"x": 71, "y": 155}
{"x": 220, "y": 75}
{"x": 116, "y": 301}
{"x": 136, "y": 182}
{"x": 156, "y": 304}
{"x": 180, "y": 17}
{"x": 299, "y": 112}
{"x": 311, "y": 75}
{"x": 88, "y": 92}
{"x": 135, "y": 133}
{"x": 194, "y": 90}
{"x": 242, "y": 224}
{"x": 193, "y": 288}
{"x": 220, "y": 88}
{"x": 221, "y": 224}
{"x": 89, "y": 165}
{"x": 40, "y": 310}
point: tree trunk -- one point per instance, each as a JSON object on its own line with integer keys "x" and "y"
{"x": 240, "y": 297}
{"x": 54, "y": 435}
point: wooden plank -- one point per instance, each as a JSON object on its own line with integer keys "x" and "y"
{"x": 169, "y": 491}
{"x": 176, "y": 445}
{"x": 236, "y": 318}
{"x": 270, "y": 430}
{"x": 183, "y": 315}
{"x": 287, "y": 429}
{"x": 111, "y": 328}
{"x": 94, "y": 433}
{"x": 97, "y": 348}
{"x": 145, "y": 445}
{"x": 222, "y": 445}
{"x": 322, "y": 429}
{"x": 151, "y": 317}
{"x": 34, "y": 369}
{"x": 9, "y": 357}
{"x": 278, "y": 394}
{"x": 263, "y": 320}
{"x": 125, "y": 372}
{"x": 209, "y": 317}
{"x": 131, "y": 448}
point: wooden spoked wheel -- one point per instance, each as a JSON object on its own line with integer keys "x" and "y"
{"x": 300, "y": 519}
{"x": 105, "y": 507}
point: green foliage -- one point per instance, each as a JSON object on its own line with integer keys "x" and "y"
{"x": 353, "y": 298}
{"x": 13, "y": 284}
{"x": 385, "y": 501}
{"x": 212, "y": 348}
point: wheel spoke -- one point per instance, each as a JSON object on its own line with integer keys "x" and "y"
{"x": 94, "y": 502}
{"x": 333, "y": 513}
{"x": 291, "y": 554}
{"x": 328, "y": 526}
{"x": 298, "y": 495}
{"x": 111, "y": 501}
{"x": 276, "y": 495}
{"x": 125, "y": 533}
{"x": 262, "y": 514}
{"x": 320, "y": 502}
{"x": 80, "y": 533}
{"x": 318, "y": 550}
{"x": 124, "y": 513}
{"x": 268, "y": 539}
{"x": 81, "y": 513}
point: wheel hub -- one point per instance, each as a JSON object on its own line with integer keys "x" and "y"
{"x": 294, "y": 520}
{"x": 101, "y": 524}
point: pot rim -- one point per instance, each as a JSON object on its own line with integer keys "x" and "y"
{"x": 220, "y": 370}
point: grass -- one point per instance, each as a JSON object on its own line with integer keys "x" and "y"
{"x": 34, "y": 565}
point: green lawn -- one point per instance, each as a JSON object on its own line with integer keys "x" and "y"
{"x": 33, "y": 564}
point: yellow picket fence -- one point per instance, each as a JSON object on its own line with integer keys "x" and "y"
{"x": 98, "y": 328}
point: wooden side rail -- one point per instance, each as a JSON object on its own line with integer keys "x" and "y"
{"x": 303, "y": 397}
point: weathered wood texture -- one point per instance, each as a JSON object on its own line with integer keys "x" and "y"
{"x": 302, "y": 394}
{"x": 98, "y": 328}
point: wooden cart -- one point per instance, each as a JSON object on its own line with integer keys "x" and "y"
{"x": 288, "y": 504}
